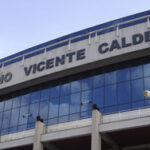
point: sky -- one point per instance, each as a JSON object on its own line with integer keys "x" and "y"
{"x": 26, "y": 23}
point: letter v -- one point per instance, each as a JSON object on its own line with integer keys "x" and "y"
{"x": 28, "y": 70}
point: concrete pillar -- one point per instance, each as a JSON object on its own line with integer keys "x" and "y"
{"x": 96, "y": 143}
{"x": 39, "y": 129}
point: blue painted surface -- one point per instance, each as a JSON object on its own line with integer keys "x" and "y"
{"x": 73, "y": 35}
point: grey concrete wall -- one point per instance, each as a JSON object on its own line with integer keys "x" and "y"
{"x": 93, "y": 58}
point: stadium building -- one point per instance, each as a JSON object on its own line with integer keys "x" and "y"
{"x": 81, "y": 91}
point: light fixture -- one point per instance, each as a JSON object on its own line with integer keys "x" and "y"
{"x": 147, "y": 93}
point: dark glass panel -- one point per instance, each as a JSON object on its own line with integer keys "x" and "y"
{"x": 1, "y": 106}
{"x": 53, "y": 121}
{"x": 25, "y": 99}
{"x": 138, "y": 105}
{"x": 124, "y": 93}
{"x": 44, "y": 110}
{"x": 23, "y": 116}
{"x": 64, "y": 105}
{"x": 53, "y": 107}
{"x": 146, "y": 69}
{"x": 123, "y": 75}
{"x": 63, "y": 119}
{"x": 75, "y": 103}
{"x": 14, "y": 117}
{"x": 75, "y": 86}
{"x": 16, "y": 102}
{"x": 34, "y": 111}
{"x": 86, "y": 83}
{"x": 8, "y": 104}
{"x": 6, "y": 119}
{"x": 65, "y": 89}
{"x": 110, "y": 77}
{"x": 136, "y": 72}
{"x": 55, "y": 91}
{"x": 124, "y": 107}
{"x": 98, "y": 97}
{"x": 111, "y": 109}
{"x": 86, "y": 100}
{"x": 98, "y": 80}
{"x": 110, "y": 95}
{"x": 45, "y": 94}
{"x": 137, "y": 89}
{"x": 75, "y": 116}
{"x": 35, "y": 96}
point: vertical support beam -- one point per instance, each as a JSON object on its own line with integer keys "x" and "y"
{"x": 96, "y": 143}
{"x": 39, "y": 129}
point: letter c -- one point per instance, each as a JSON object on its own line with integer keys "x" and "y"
{"x": 103, "y": 48}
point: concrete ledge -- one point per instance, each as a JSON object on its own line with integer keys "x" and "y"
{"x": 16, "y": 143}
{"x": 66, "y": 134}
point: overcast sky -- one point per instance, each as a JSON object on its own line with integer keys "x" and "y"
{"x": 26, "y": 23}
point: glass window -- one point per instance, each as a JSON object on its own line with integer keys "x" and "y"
{"x": 75, "y": 103}
{"x": 110, "y": 77}
{"x": 25, "y": 99}
{"x": 14, "y": 117}
{"x": 146, "y": 70}
{"x": 86, "y": 114}
{"x": 124, "y": 107}
{"x": 138, "y": 105}
{"x": 75, "y": 86}
{"x": 98, "y": 80}
{"x": 45, "y": 94}
{"x": 136, "y": 72}
{"x": 65, "y": 89}
{"x": 44, "y": 109}
{"x": 123, "y": 74}
{"x": 124, "y": 93}
{"x": 35, "y": 96}
{"x": 34, "y": 111}
{"x": 6, "y": 119}
{"x": 111, "y": 109}
{"x": 98, "y": 97}
{"x": 1, "y": 106}
{"x": 0, "y": 119}
{"x": 63, "y": 119}
{"x": 55, "y": 91}
{"x": 147, "y": 85}
{"x": 137, "y": 89}
{"x": 86, "y": 83}
{"x": 53, "y": 121}
{"x": 110, "y": 95}
{"x": 23, "y": 116}
{"x": 8, "y": 104}
{"x": 64, "y": 105}
{"x": 75, "y": 116}
{"x": 53, "y": 108}
{"x": 16, "y": 102}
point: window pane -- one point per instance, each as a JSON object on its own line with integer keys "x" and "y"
{"x": 146, "y": 69}
{"x": 16, "y": 102}
{"x": 86, "y": 83}
{"x": 55, "y": 91}
{"x": 147, "y": 84}
{"x": 64, "y": 105}
{"x": 138, "y": 105}
{"x": 6, "y": 119}
{"x": 86, "y": 100}
{"x": 75, "y": 103}
{"x": 65, "y": 89}
{"x": 14, "y": 117}
{"x": 136, "y": 72}
{"x": 23, "y": 116}
{"x": 34, "y": 110}
{"x": 25, "y": 100}
{"x": 0, "y": 119}
{"x": 8, "y": 104}
{"x": 110, "y": 95}
{"x": 98, "y": 97}
{"x": 123, "y": 75}
{"x": 110, "y": 77}
{"x": 44, "y": 110}
{"x": 75, "y": 86}
{"x": 45, "y": 94}
{"x": 124, "y": 107}
{"x": 53, "y": 108}
{"x": 137, "y": 90}
{"x": 98, "y": 80}
{"x": 124, "y": 93}
{"x": 111, "y": 109}
{"x": 35, "y": 96}
{"x": 1, "y": 106}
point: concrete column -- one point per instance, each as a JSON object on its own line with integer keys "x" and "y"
{"x": 39, "y": 129}
{"x": 96, "y": 143}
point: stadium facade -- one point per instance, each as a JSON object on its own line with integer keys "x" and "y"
{"x": 80, "y": 91}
